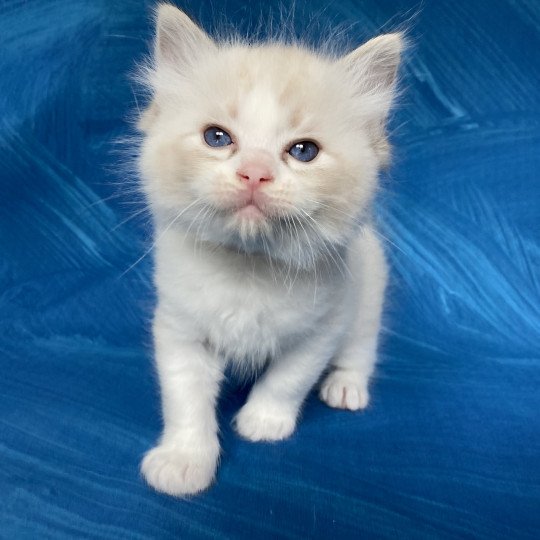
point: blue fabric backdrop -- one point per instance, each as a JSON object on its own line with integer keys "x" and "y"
{"x": 450, "y": 446}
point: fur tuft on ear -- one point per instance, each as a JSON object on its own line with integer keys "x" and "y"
{"x": 373, "y": 67}
{"x": 179, "y": 41}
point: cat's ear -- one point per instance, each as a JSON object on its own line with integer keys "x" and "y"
{"x": 373, "y": 67}
{"x": 179, "y": 41}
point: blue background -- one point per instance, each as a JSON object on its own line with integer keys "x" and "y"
{"x": 450, "y": 445}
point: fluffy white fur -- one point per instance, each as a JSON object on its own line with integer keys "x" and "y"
{"x": 291, "y": 289}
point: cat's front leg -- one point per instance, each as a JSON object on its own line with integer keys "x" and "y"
{"x": 346, "y": 385}
{"x": 273, "y": 406}
{"x": 185, "y": 460}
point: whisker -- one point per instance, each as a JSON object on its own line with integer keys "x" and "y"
{"x": 374, "y": 229}
{"x": 313, "y": 261}
{"x": 385, "y": 238}
{"x": 186, "y": 234}
{"x": 130, "y": 218}
{"x": 154, "y": 243}
{"x": 326, "y": 244}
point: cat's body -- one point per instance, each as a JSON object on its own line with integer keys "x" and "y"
{"x": 250, "y": 311}
{"x": 264, "y": 261}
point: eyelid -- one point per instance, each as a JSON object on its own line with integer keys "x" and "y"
{"x": 300, "y": 140}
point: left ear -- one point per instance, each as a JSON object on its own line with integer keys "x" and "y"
{"x": 373, "y": 67}
{"x": 179, "y": 42}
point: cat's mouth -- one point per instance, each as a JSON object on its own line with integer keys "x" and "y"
{"x": 252, "y": 214}
{"x": 251, "y": 206}
{"x": 249, "y": 219}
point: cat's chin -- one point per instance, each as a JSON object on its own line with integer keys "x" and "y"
{"x": 249, "y": 219}
{"x": 247, "y": 226}
{"x": 251, "y": 212}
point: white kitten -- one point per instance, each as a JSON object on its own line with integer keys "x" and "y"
{"x": 259, "y": 162}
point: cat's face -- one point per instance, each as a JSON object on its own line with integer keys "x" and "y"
{"x": 258, "y": 144}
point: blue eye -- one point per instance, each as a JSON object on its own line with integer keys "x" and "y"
{"x": 216, "y": 137}
{"x": 304, "y": 150}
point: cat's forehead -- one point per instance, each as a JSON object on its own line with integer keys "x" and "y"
{"x": 278, "y": 66}
{"x": 273, "y": 82}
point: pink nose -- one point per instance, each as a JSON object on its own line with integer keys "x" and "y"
{"x": 254, "y": 173}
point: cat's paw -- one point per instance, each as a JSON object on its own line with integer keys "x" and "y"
{"x": 264, "y": 422}
{"x": 175, "y": 471}
{"x": 345, "y": 389}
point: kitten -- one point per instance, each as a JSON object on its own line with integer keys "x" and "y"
{"x": 259, "y": 163}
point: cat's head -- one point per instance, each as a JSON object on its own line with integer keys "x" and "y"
{"x": 264, "y": 145}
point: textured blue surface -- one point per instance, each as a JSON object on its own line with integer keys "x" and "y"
{"x": 450, "y": 446}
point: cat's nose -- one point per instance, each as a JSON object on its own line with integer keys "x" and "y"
{"x": 254, "y": 173}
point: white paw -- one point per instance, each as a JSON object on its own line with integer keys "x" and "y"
{"x": 175, "y": 471}
{"x": 264, "y": 422}
{"x": 345, "y": 389}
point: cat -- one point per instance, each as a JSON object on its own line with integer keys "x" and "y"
{"x": 259, "y": 162}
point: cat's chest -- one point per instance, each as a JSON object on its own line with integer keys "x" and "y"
{"x": 253, "y": 322}
{"x": 250, "y": 311}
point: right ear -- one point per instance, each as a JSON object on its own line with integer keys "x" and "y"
{"x": 374, "y": 67}
{"x": 179, "y": 41}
